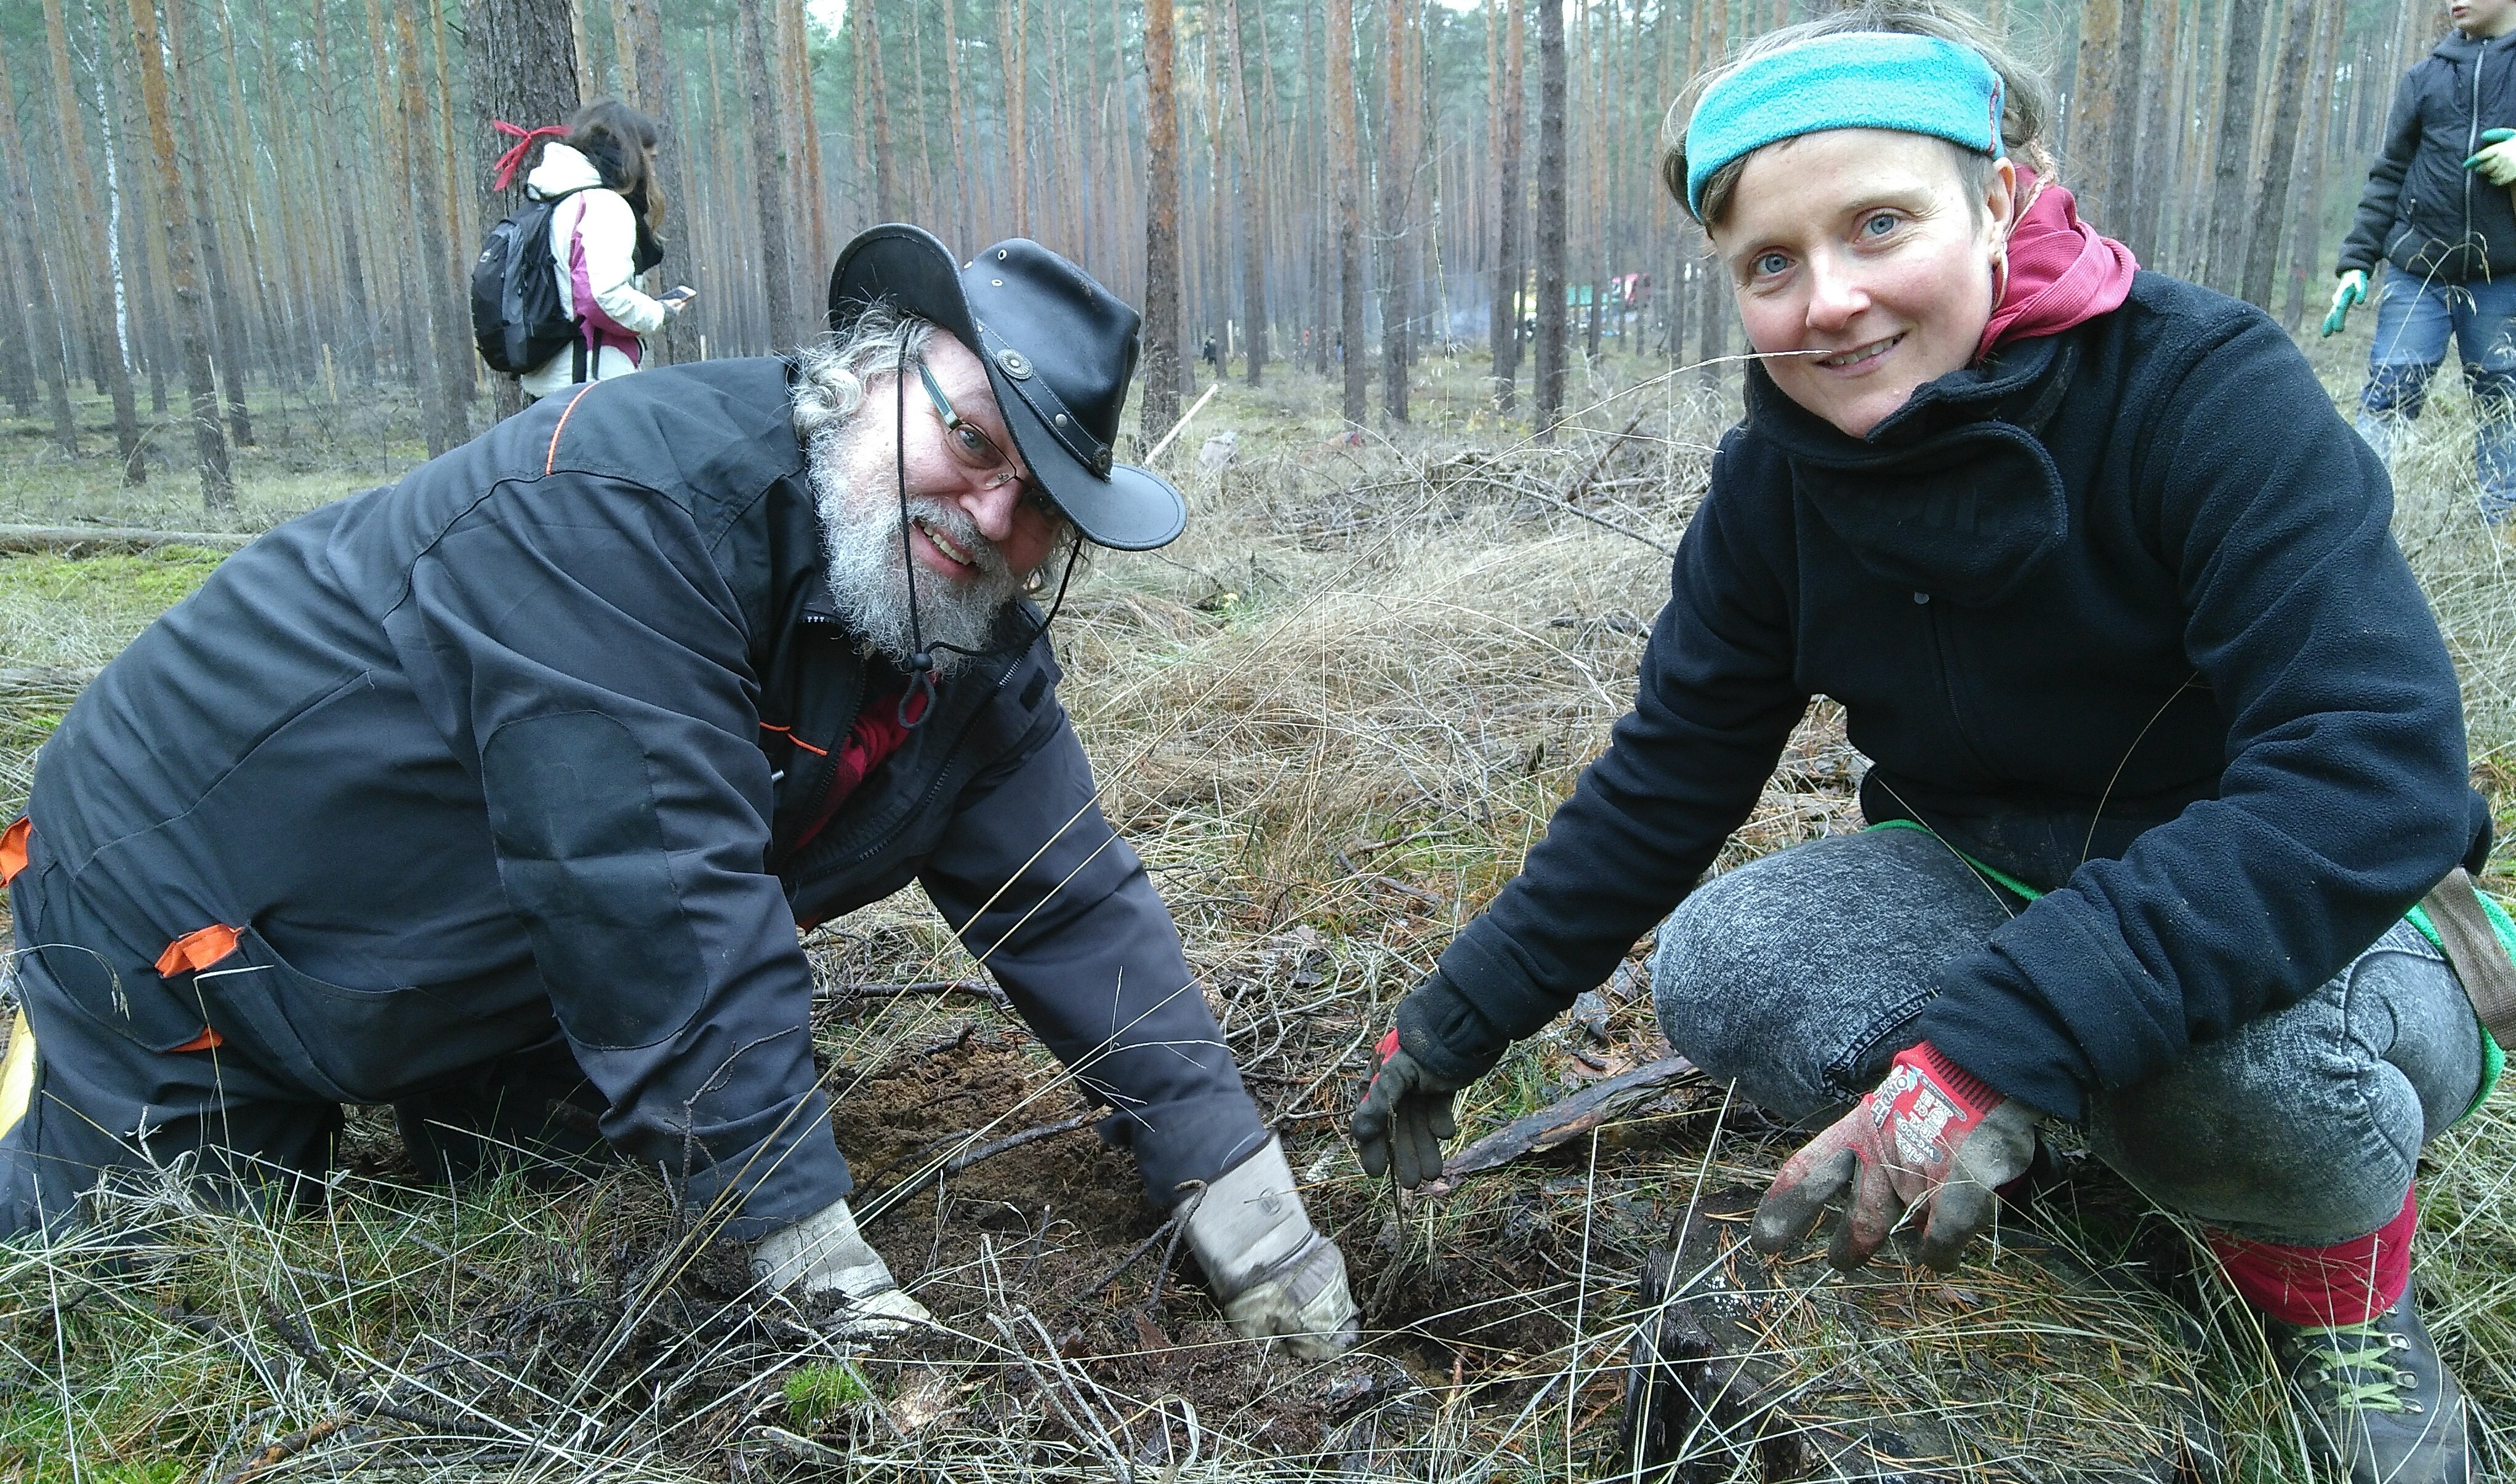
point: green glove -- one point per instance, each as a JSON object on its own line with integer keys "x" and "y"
{"x": 2352, "y": 290}
{"x": 2497, "y": 163}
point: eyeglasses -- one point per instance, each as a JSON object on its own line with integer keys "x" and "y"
{"x": 976, "y": 452}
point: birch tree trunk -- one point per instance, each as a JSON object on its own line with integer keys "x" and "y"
{"x": 191, "y": 315}
{"x": 90, "y": 232}
{"x": 1551, "y": 329}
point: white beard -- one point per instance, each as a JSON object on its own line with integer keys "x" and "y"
{"x": 868, "y": 566}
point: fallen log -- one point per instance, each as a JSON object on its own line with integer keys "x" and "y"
{"x": 107, "y": 540}
{"x": 1562, "y": 1121}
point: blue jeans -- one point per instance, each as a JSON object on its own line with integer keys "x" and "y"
{"x": 1799, "y": 976}
{"x": 2413, "y": 321}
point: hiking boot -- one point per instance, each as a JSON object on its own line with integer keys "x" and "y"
{"x": 2380, "y": 1403}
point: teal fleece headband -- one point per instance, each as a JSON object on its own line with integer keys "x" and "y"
{"x": 1848, "y": 80}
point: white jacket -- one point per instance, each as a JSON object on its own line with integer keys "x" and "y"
{"x": 601, "y": 220}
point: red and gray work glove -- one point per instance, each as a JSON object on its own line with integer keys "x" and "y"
{"x": 1403, "y": 1118}
{"x": 1934, "y": 1139}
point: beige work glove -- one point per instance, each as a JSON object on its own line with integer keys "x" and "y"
{"x": 1275, "y": 1276}
{"x": 822, "y": 1255}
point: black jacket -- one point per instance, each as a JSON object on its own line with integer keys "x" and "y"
{"x": 528, "y": 736}
{"x": 2422, "y": 211}
{"x": 2097, "y": 625}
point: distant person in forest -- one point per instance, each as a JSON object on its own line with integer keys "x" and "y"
{"x": 2166, "y": 747}
{"x": 501, "y": 796}
{"x": 2437, "y": 212}
{"x": 603, "y": 237}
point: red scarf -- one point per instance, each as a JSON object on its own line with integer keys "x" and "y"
{"x": 2060, "y": 272}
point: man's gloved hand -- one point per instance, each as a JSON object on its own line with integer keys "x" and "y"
{"x": 824, "y": 1255}
{"x": 2496, "y": 161}
{"x": 2352, "y": 290}
{"x": 1932, "y": 1138}
{"x": 1403, "y": 1118}
{"x": 1272, "y": 1271}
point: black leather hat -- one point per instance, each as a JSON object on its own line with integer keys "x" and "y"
{"x": 1060, "y": 351}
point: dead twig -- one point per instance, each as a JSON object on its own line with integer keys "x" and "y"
{"x": 986, "y": 991}
{"x": 1564, "y": 1121}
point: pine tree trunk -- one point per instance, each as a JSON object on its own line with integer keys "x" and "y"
{"x": 359, "y": 347}
{"x": 886, "y": 188}
{"x": 1345, "y": 165}
{"x": 1713, "y": 305}
{"x": 1010, "y": 38}
{"x": 519, "y": 57}
{"x": 192, "y": 315}
{"x": 965, "y": 229}
{"x": 2231, "y": 188}
{"x": 97, "y": 310}
{"x": 1396, "y": 292}
{"x": 670, "y": 199}
{"x": 2279, "y": 165}
{"x": 146, "y": 318}
{"x": 1510, "y": 268}
{"x": 1253, "y": 196}
{"x": 223, "y": 306}
{"x": 449, "y": 346}
{"x": 2096, "y": 105}
{"x": 1162, "y": 341}
{"x": 47, "y": 317}
{"x": 2313, "y": 152}
{"x": 1548, "y": 391}
{"x": 769, "y": 175}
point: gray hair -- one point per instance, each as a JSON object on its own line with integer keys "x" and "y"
{"x": 831, "y": 372}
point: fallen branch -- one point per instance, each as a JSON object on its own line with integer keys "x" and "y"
{"x": 1156, "y": 452}
{"x": 980, "y": 987}
{"x": 84, "y": 539}
{"x": 287, "y": 1448}
{"x": 1562, "y": 1121}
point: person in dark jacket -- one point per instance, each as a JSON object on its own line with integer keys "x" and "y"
{"x": 500, "y": 796}
{"x": 2447, "y": 234}
{"x": 2165, "y": 741}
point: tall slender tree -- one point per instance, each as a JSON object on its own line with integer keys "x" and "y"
{"x": 1162, "y": 343}
{"x": 222, "y": 305}
{"x": 1253, "y": 199}
{"x": 1346, "y": 167}
{"x": 445, "y": 418}
{"x": 1396, "y": 174}
{"x": 1551, "y": 222}
{"x": 1503, "y": 326}
{"x": 2279, "y": 169}
{"x": 768, "y": 174}
{"x": 191, "y": 315}
{"x": 2232, "y": 197}
{"x": 46, "y": 320}
{"x": 97, "y": 310}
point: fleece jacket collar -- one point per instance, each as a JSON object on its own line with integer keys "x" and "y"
{"x": 1952, "y": 495}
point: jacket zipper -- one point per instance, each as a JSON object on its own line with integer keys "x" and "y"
{"x": 830, "y": 758}
{"x": 932, "y": 788}
{"x": 2472, "y": 143}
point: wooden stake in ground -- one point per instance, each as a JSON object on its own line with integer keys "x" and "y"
{"x": 1162, "y": 348}
{"x": 191, "y": 315}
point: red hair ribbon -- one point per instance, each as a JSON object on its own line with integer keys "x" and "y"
{"x": 514, "y": 159}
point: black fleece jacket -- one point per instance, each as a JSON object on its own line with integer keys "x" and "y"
{"x": 2422, "y": 210}
{"x": 525, "y": 741}
{"x": 2118, "y": 612}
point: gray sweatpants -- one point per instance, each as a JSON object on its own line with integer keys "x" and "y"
{"x": 1800, "y": 975}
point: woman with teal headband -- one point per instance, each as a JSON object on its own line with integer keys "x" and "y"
{"x": 2165, "y": 743}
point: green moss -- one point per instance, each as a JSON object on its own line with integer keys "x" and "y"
{"x": 816, "y": 1393}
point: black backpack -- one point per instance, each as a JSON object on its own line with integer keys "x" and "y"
{"x": 516, "y": 315}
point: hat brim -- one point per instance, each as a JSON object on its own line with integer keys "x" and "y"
{"x": 1132, "y": 510}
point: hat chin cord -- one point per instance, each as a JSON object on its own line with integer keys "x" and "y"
{"x": 921, "y": 655}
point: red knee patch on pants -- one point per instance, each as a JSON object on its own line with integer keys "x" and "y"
{"x": 2346, "y": 1282}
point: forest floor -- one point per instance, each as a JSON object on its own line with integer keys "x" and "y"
{"x": 1332, "y": 718}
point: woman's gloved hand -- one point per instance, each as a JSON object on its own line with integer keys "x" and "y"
{"x": 1403, "y": 1117}
{"x": 2495, "y": 160}
{"x": 1933, "y": 1139}
{"x": 2352, "y": 290}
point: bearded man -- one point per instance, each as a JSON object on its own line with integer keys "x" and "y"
{"x": 499, "y": 796}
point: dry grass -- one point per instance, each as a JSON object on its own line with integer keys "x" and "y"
{"x": 1332, "y": 718}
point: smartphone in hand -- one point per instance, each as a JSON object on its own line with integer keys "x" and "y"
{"x": 679, "y": 295}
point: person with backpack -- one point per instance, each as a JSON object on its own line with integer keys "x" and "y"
{"x": 599, "y": 183}
{"x": 2435, "y": 210}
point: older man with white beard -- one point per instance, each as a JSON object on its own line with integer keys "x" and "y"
{"x": 500, "y": 795}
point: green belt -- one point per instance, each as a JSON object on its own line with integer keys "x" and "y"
{"x": 2493, "y": 1061}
